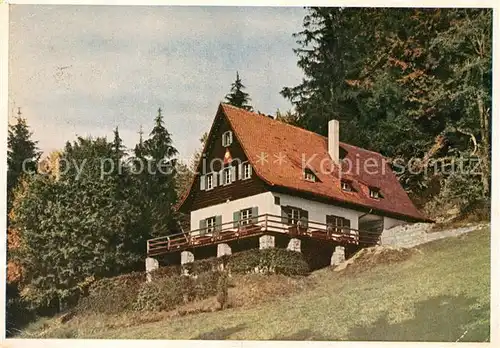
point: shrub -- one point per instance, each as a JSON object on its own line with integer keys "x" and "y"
{"x": 160, "y": 294}
{"x": 222, "y": 290}
{"x": 202, "y": 266}
{"x": 168, "y": 288}
{"x": 206, "y": 284}
{"x": 166, "y": 271}
{"x": 275, "y": 260}
{"x": 112, "y": 295}
{"x": 165, "y": 294}
{"x": 245, "y": 261}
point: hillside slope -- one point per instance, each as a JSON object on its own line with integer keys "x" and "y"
{"x": 439, "y": 293}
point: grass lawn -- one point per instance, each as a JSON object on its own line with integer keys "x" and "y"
{"x": 438, "y": 294}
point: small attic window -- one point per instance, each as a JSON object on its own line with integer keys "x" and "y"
{"x": 227, "y": 138}
{"x": 346, "y": 186}
{"x": 309, "y": 175}
{"x": 375, "y": 193}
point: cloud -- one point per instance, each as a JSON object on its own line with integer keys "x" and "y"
{"x": 86, "y": 69}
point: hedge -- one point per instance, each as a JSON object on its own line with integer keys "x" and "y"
{"x": 169, "y": 288}
{"x": 112, "y": 295}
{"x": 279, "y": 261}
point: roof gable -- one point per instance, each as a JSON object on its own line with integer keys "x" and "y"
{"x": 279, "y": 152}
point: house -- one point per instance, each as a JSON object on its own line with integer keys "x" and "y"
{"x": 264, "y": 183}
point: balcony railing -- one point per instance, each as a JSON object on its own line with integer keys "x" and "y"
{"x": 255, "y": 226}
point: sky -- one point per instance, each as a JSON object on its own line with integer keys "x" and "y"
{"x": 84, "y": 70}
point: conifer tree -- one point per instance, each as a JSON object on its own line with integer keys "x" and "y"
{"x": 237, "y": 97}
{"x": 139, "y": 148}
{"x": 22, "y": 151}
{"x": 118, "y": 147}
{"x": 76, "y": 228}
{"x": 160, "y": 194}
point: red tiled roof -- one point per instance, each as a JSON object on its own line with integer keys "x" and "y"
{"x": 265, "y": 140}
{"x": 262, "y": 136}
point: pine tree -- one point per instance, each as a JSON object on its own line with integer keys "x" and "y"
{"x": 139, "y": 148}
{"x": 237, "y": 97}
{"x": 118, "y": 147}
{"x": 387, "y": 73}
{"x": 287, "y": 117}
{"x": 160, "y": 186}
{"x": 22, "y": 151}
{"x": 159, "y": 145}
{"x": 76, "y": 228}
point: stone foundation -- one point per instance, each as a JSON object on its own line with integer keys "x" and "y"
{"x": 338, "y": 256}
{"x": 294, "y": 245}
{"x": 151, "y": 265}
{"x": 407, "y": 236}
{"x": 266, "y": 242}
{"x": 186, "y": 257}
{"x": 223, "y": 249}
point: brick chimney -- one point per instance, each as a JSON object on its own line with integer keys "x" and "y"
{"x": 333, "y": 140}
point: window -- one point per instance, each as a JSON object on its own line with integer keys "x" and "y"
{"x": 309, "y": 175}
{"x": 277, "y": 200}
{"x": 345, "y": 185}
{"x": 245, "y": 215}
{"x": 337, "y": 224}
{"x": 375, "y": 193}
{"x": 247, "y": 171}
{"x": 226, "y": 176}
{"x": 210, "y": 181}
{"x": 294, "y": 216}
{"x": 227, "y": 138}
{"x": 210, "y": 223}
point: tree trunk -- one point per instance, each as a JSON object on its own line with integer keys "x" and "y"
{"x": 484, "y": 153}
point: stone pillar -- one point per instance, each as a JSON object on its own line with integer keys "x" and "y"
{"x": 223, "y": 249}
{"x": 266, "y": 242}
{"x": 338, "y": 256}
{"x": 294, "y": 244}
{"x": 186, "y": 257}
{"x": 151, "y": 265}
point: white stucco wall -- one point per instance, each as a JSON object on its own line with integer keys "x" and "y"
{"x": 264, "y": 201}
{"x": 317, "y": 210}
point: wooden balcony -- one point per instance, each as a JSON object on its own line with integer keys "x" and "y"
{"x": 257, "y": 226}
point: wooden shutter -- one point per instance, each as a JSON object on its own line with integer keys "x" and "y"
{"x": 346, "y": 223}
{"x": 236, "y": 219}
{"x": 214, "y": 179}
{"x": 284, "y": 214}
{"x": 202, "y": 182}
{"x": 240, "y": 171}
{"x": 203, "y": 227}
{"x": 221, "y": 176}
{"x": 304, "y": 218}
{"x": 218, "y": 222}
{"x": 255, "y": 213}
{"x": 233, "y": 174}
